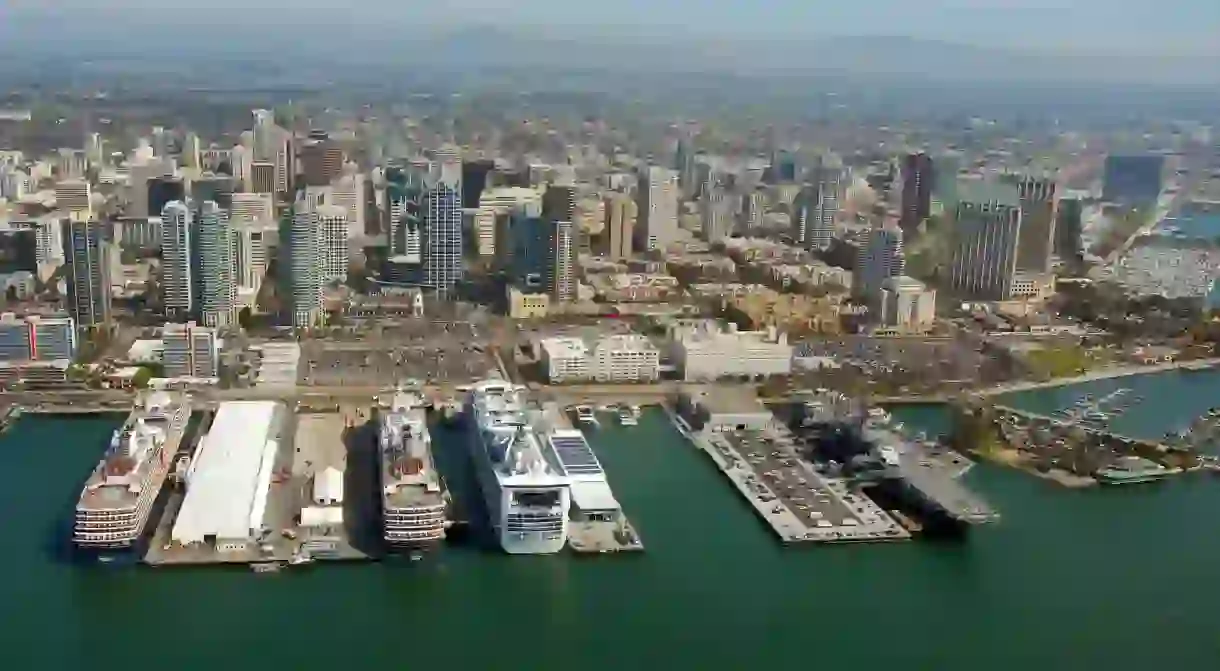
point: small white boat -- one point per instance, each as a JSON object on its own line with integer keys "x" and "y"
{"x": 301, "y": 557}
{"x": 629, "y": 415}
{"x": 585, "y": 415}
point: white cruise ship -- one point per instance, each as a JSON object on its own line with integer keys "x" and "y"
{"x": 414, "y": 500}
{"x": 528, "y": 496}
{"x": 118, "y": 497}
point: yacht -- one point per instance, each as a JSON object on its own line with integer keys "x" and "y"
{"x": 629, "y": 415}
{"x": 528, "y": 497}
{"x": 117, "y": 499}
{"x": 1132, "y": 470}
{"x": 585, "y": 415}
{"x": 414, "y": 500}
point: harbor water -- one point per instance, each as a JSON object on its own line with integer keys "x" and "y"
{"x": 1106, "y": 578}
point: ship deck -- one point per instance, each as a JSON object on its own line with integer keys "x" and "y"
{"x": 935, "y": 477}
{"x": 96, "y": 496}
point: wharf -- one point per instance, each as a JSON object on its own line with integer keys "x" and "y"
{"x": 595, "y": 531}
{"x": 1144, "y": 442}
{"x": 934, "y": 476}
{"x": 798, "y": 503}
{"x": 308, "y": 444}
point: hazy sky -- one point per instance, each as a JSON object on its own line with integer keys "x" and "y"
{"x": 1152, "y": 25}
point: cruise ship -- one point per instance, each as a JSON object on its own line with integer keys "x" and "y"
{"x": 118, "y": 497}
{"x": 528, "y": 496}
{"x": 414, "y": 500}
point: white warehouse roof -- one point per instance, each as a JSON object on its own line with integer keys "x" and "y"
{"x": 227, "y": 484}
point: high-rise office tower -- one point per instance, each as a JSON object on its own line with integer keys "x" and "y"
{"x": 715, "y": 213}
{"x": 332, "y": 243}
{"x": 160, "y": 142}
{"x": 164, "y": 190}
{"x": 192, "y": 151}
{"x": 251, "y": 207}
{"x": 657, "y": 201}
{"x": 1068, "y": 227}
{"x": 752, "y": 210}
{"x": 95, "y": 150}
{"x": 140, "y": 174}
{"x": 72, "y": 164}
{"x": 347, "y": 192}
{"x": 216, "y": 188}
{"x": 74, "y": 196}
{"x": 987, "y": 228}
{"x": 918, "y": 179}
{"x": 880, "y": 258}
{"x": 1038, "y": 201}
{"x": 178, "y": 281}
{"x": 526, "y": 255}
{"x": 440, "y": 206}
{"x": 88, "y": 258}
{"x": 474, "y": 181}
{"x": 560, "y": 275}
{"x": 1134, "y": 181}
{"x": 215, "y": 247}
{"x": 321, "y": 162}
{"x": 303, "y": 279}
{"x": 251, "y": 250}
{"x": 262, "y": 177}
{"x": 816, "y": 207}
{"x": 620, "y": 215}
{"x": 684, "y": 165}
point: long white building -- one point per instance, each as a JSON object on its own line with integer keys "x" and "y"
{"x": 616, "y": 358}
{"x": 228, "y": 480}
{"x": 707, "y": 351}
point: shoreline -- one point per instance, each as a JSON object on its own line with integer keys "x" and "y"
{"x": 1133, "y": 370}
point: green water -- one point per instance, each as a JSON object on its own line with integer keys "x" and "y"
{"x": 1104, "y": 579}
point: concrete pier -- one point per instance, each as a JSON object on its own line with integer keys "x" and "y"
{"x": 799, "y": 504}
{"x": 310, "y": 444}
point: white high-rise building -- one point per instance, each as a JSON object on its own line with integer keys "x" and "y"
{"x": 250, "y": 254}
{"x": 304, "y": 277}
{"x": 177, "y": 269}
{"x": 347, "y": 192}
{"x": 987, "y": 229}
{"x": 192, "y": 152}
{"x": 657, "y": 218}
{"x": 332, "y": 244}
{"x": 217, "y": 286}
{"x": 560, "y": 275}
{"x": 880, "y": 258}
{"x": 817, "y": 207}
{"x": 241, "y": 161}
{"x": 716, "y": 217}
{"x": 248, "y": 208}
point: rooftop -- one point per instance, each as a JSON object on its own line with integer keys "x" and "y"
{"x": 228, "y": 480}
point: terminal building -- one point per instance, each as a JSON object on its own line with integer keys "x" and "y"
{"x": 616, "y": 358}
{"x": 707, "y": 351}
{"x": 229, "y": 478}
{"x": 35, "y": 350}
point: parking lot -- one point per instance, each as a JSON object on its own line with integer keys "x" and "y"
{"x": 452, "y": 352}
{"x": 912, "y": 363}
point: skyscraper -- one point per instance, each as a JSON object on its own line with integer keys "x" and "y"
{"x": 88, "y": 272}
{"x": 918, "y": 180}
{"x": 442, "y": 229}
{"x": 303, "y": 279}
{"x": 321, "y": 162}
{"x": 530, "y": 246}
{"x": 332, "y": 244}
{"x": 657, "y": 200}
{"x": 474, "y": 180}
{"x": 715, "y": 213}
{"x": 1068, "y": 227}
{"x": 816, "y": 207}
{"x": 880, "y": 258}
{"x": 620, "y": 215}
{"x": 177, "y": 268}
{"x": 164, "y": 190}
{"x": 347, "y": 192}
{"x": 215, "y": 243}
{"x": 1037, "y": 242}
{"x": 987, "y": 229}
{"x": 560, "y": 275}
